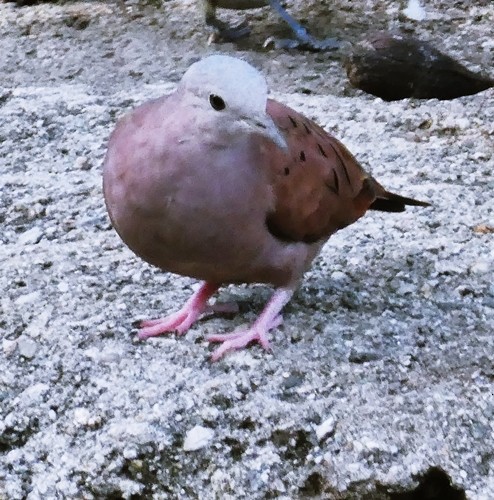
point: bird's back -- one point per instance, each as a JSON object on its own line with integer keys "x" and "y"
{"x": 319, "y": 186}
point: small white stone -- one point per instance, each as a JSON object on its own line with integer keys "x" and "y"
{"x": 426, "y": 290}
{"x": 34, "y": 393}
{"x": 38, "y": 324}
{"x": 136, "y": 277}
{"x": 198, "y": 437}
{"x": 107, "y": 355}
{"x": 26, "y": 299}
{"x": 371, "y": 444}
{"x": 210, "y": 413}
{"x": 325, "y": 428}
{"x": 82, "y": 163}
{"x": 482, "y": 266}
{"x": 414, "y": 11}
{"x": 405, "y": 360}
{"x": 130, "y": 453}
{"x": 27, "y": 347}
{"x": 81, "y": 416}
{"x": 338, "y": 276}
{"x": 9, "y": 346}
{"x": 30, "y": 237}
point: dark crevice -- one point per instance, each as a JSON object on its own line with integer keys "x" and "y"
{"x": 435, "y": 484}
{"x": 294, "y": 123}
{"x": 313, "y": 486}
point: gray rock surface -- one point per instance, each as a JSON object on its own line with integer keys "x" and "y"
{"x": 384, "y": 367}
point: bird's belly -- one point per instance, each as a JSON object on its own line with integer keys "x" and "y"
{"x": 198, "y": 215}
{"x": 205, "y": 232}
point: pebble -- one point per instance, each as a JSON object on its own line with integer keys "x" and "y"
{"x": 81, "y": 416}
{"x": 9, "y": 346}
{"x": 481, "y": 266}
{"x": 415, "y": 11}
{"x": 82, "y": 163}
{"x": 338, "y": 276}
{"x": 198, "y": 437}
{"x": 30, "y": 237}
{"x": 27, "y": 347}
{"x": 326, "y": 428}
{"x": 27, "y": 298}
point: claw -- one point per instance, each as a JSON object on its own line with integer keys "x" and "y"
{"x": 269, "y": 319}
{"x": 197, "y": 306}
{"x": 236, "y": 341}
{"x": 224, "y": 33}
{"x": 182, "y": 320}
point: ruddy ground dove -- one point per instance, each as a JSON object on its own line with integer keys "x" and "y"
{"x": 220, "y": 183}
{"x": 303, "y": 39}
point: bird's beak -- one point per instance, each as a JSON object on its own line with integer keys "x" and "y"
{"x": 265, "y": 126}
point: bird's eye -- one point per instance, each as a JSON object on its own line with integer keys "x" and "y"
{"x": 217, "y": 103}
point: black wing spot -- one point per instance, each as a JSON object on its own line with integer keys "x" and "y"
{"x": 287, "y": 170}
{"x": 345, "y": 170}
{"x": 307, "y": 129}
{"x": 294, "y": 123}
{"x": 321, "y": 150}
{"x": 342, "y": 161}
{"x": 334, "y": 187}
{"x": 336, "y": 182}
{"x": 302, "y": 156}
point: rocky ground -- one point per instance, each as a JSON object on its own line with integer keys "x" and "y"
{"x": 380, "y": 384}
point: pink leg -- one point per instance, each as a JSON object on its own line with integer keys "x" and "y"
{"x": 183, "y": 319}
{"x": 269, "y": 318}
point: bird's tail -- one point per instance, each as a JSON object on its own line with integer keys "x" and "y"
{"x": 391, "y": 202}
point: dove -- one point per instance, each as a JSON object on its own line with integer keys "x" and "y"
{"x": 394, "y": 66}
{"x": 303, "y": 39}
{"x": 220, "y": 183}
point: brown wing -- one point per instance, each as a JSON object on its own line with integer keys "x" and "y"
{"x": 319, "y": 186}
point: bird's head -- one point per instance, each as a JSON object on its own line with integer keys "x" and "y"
{"x": 229, "y": 87}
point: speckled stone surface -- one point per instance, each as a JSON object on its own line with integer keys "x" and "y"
{"x": 384, "y": 365}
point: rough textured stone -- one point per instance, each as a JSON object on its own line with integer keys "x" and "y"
{"x": 96, "y": 414}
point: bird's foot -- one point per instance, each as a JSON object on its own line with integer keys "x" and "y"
{"x": 269, "y": 318}
{"x": 183, "y": 319}
{"x": 178, "y": 322}
{"x": 303, "y": 39}
{"x": 307, "y": 42}
{"x": 239, "y": 340}
{"x": 224, "y": 33}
